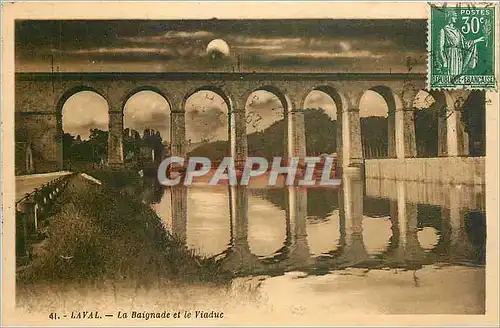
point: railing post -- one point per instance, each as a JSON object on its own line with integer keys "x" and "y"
{"x": 29, "y": 208}
{"x": 21, "y": 235}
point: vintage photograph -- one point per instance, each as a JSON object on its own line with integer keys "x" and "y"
{"x": 212, "y": 171}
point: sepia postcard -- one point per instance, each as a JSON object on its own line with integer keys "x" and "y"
{"x": 249, "y": 163}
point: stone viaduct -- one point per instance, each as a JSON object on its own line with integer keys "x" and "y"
{"x": 41, "y": 96}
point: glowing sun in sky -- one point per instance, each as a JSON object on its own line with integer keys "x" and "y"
{"x": 218, "y": 48}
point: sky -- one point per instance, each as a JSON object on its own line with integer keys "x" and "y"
{"x": 242, "y": 45}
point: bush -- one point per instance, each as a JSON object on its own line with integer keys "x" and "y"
{"x": 102, "y": 233}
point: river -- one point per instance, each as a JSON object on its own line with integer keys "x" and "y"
{"x": 374, "y": 228}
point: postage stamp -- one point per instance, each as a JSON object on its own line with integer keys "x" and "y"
{"x": 461, "y": 47}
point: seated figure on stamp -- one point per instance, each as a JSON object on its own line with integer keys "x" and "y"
{"x": 457, "y": 53}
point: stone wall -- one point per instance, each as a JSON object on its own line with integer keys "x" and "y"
{"x": 38, "y": 131}
{"x": 448, "y": 170}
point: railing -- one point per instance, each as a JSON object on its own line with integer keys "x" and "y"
{"x": 32, "y": 210}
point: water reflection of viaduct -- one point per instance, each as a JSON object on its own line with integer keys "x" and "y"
{"x": 403, "y": 250}
{"x": 40, "y": 97}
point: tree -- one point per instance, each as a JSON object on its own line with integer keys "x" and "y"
{"x": 374, "y": 136}
{"x": 98, "y": 142}
{"x": 426, "y": 132}
{"x": 68, "y": 142}
{"x": 153, "y": 141}
{"x": 131, "y": 144}
{"x": 474, "y": 119}
{"x": 320, "y": 132}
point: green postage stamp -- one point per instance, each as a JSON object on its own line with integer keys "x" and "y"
{"x": 462, "y": 47}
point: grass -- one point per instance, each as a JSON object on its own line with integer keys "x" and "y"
{"x": 103, "y": 232}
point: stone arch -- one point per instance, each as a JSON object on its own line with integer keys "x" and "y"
{"x": 154, "y": 89}
{"x": 59, "y": 116}
{"x": 442, "y": 102}
{"x": 224, "y": 94}
{"x": 333, "y": 93}
{"x": 287, "y": 106}
{"x": 473, "y": 117}
{"x": 340, "y": 103}
{"x": 68, "y": 93}
{"x": 281, "y": 95}
{"x": 392, "y": 100}
{"x": 430, "y": 106}
{"x": 394, "y": 104}
{"x": 226, "y": 97}
{"x": 452, "y": 138}
{"x": 157, "y": 152}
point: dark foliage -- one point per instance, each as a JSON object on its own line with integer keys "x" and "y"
{"x": 105, "y": 233}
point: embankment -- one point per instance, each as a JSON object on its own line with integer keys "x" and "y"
{"x": 105, "y": 232}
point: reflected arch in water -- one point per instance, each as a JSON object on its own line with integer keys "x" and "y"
{"x": 208, "y": 221}
{"x": 266, "y": 225}
{"x": 323, "y": 221}
{"x": 323, "y": 235}
{"x": 377, "y": 234}
{"x": 205, "y": 226}
{"x": 428, "y": 238}
{"x": 267, "y": 128}
{"x": 207, "y": 122}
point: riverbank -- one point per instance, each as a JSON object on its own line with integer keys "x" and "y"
{"x": 104, "y": 232}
